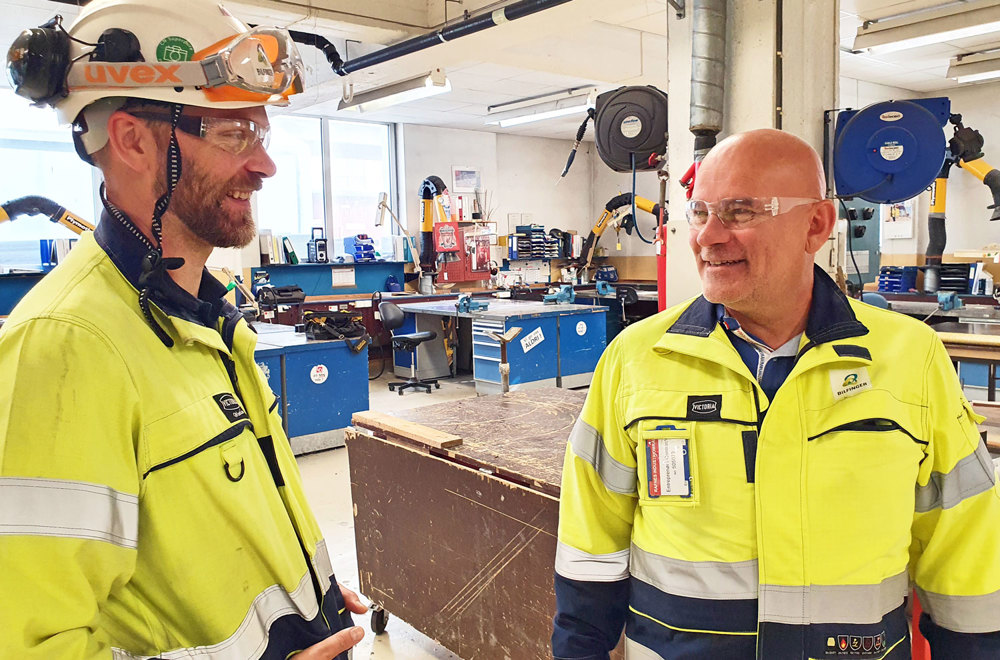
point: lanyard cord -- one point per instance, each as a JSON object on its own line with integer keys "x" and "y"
{"x": 154, "y": 266}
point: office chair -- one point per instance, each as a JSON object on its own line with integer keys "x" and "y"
{"x": 392, "y": 318}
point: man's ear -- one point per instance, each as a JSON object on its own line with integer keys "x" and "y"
{"x": 132, "y": 142}
{"x": 821, "y": 222}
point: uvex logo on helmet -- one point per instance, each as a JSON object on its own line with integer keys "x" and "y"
{"x": 141, "y": 74}
{"x": 704, "y": 407}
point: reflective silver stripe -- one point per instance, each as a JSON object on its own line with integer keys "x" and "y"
{"x": 636, "y": 651}
{"x": 963, "y": 614}
{"x": 70, "y": 509}
{"x": 250, "y": 639}
{"x": 712, "y": 580}
{"x": 321, "y": 564}
{"x": 579, "y": 565}
{"x": 842, "y": 603}
{"x": 588, "y": 445}
{"x": 970, "y": 476}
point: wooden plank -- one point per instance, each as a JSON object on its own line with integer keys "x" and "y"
{"x": 413, "y": 431}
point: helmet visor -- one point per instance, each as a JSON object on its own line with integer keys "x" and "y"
{"x": 263, "y": 60}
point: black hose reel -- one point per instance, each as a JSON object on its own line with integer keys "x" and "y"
{"x": 630, "y": 125}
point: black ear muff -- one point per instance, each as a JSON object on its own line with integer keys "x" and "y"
{"x": 117, "y": 45}
{"x": 37, "y": 63}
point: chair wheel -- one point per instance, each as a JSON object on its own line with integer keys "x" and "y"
{"x": 437, "y": 386}
{"x": 379, "y": 620}
{"x": 400, "y": 392}
{"x": 392, "y": 388}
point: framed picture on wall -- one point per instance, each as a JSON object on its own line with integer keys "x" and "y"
{"x": 465, "y": 179}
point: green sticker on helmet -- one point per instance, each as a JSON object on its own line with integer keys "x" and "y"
{"x": 174, "y": 49}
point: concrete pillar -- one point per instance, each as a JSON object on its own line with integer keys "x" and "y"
{"x": 765, "y": 88}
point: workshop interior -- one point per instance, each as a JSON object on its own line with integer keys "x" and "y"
{"x": 474, "y": 198}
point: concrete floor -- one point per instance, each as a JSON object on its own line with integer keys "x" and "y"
{"x": 326, "y": 477}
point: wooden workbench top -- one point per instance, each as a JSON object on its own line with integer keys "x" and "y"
{"x": 520, "y": 436}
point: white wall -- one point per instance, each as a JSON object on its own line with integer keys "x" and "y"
{"x": 529, "y": 182}
{"x": 520, "y": 173}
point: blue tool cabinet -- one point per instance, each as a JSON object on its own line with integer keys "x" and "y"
{"x": 320, "y": 384}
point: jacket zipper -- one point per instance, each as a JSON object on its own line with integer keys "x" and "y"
{"x": 870, "y": 425}
{"x": 225, "y": 436}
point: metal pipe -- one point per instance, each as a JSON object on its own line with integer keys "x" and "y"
{"x": 469, "y": 26}
{"x": 708, "y": 72}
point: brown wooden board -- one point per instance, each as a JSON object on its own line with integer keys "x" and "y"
{"x": 414, "y": 432}
{"x": 520, "y": 436}
{"x": 462, "y": 556}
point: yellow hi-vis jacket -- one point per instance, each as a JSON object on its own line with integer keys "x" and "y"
{"x": 718, "y": 524}
{"x": 150, "y": 505}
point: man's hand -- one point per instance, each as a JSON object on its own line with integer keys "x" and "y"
{"x": 336, "y": 644}
{"x": 352, "y": 601}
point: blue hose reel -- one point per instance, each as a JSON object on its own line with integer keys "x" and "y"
{"x": 890, "y": 151}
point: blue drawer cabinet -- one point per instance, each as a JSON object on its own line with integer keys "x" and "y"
{"x": 320, "y": 384}
{"x": 557, "y": 346}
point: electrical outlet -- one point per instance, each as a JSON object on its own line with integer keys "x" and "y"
{"x": 362, "y": 304}
{"x": 378, "y": 317}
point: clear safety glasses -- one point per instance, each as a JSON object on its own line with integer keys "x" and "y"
{"x": 234, "y": 135}
{"x": 262, "y": 61}
{"x": 742, "y": 212}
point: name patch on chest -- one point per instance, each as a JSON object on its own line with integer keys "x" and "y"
{"x": 848, "y": 382}
{"x": 230, "y": 407}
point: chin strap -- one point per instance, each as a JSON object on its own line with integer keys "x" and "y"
{"x": 154, "y": 265}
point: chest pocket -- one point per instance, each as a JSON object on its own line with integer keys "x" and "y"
{"x": 211, "y": 435}
{"x": 668, "y": 463}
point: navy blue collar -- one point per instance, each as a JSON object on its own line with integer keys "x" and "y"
{"x": 127, "y": 247}
{"x": 830, "y": 315}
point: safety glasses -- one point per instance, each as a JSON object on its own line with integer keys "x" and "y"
{"x": 236, "y": 136}
{"x": 742, "y": 212}
{"x": 252, "y": 66}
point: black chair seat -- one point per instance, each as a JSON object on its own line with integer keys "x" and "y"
{"x": 410, "y": 341}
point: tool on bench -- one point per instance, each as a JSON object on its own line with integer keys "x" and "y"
{"x": 466, "y": 303}
{"x": 565, "y": 294}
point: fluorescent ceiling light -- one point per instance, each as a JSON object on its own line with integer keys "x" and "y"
{"x": 970, "y": 19}
{"x": 421, "y": 87}
{"x": 973, "y": 68}
{"x": 541, "y": 111}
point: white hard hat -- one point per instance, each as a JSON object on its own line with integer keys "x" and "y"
{"x": 189, "y": 52}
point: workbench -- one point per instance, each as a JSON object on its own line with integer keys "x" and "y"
{"x": 559, "y": 344}
{"x": 973, "y": 342}
{"x": 460, "y": 542}
{"x": 319, "y": 384}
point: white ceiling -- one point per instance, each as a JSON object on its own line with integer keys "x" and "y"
{"x": 600, "y": 43}
{"x": 918, "y": 69}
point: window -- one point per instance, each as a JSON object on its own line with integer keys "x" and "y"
{"x": 358, "y": 158}
{"x": 291, "y": 202}
{"x": 39, "y": 159}
{"x": 360, "y": 169}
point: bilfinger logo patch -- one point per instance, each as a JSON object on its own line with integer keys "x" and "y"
{"x": 848, "y": 382}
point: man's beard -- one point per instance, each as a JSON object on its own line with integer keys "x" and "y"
{"x": 199, "y": 199}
